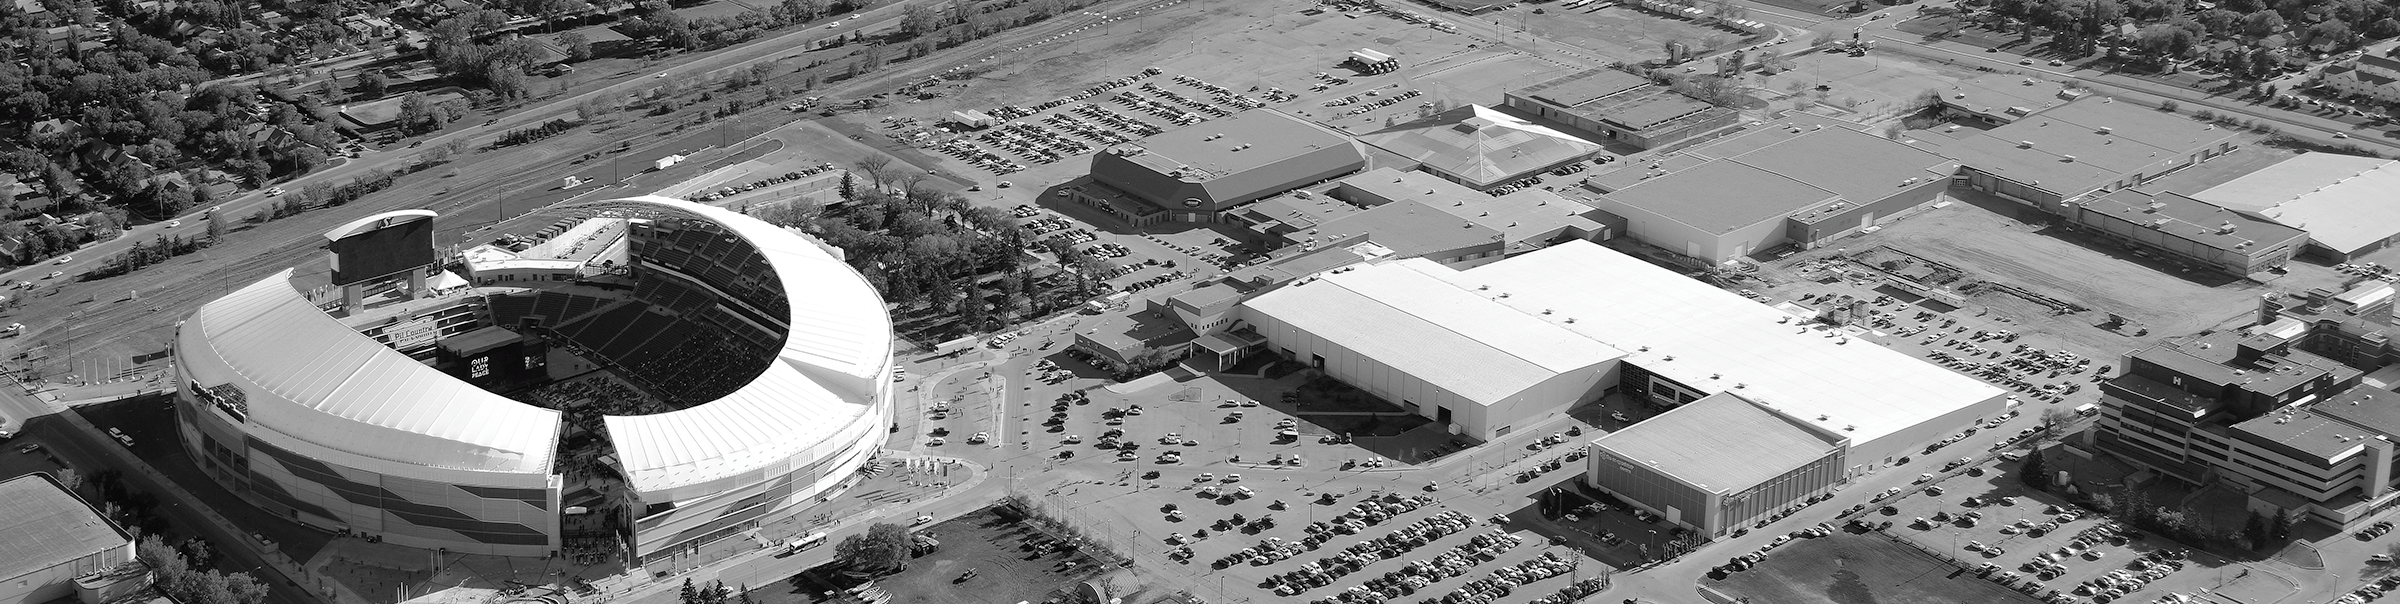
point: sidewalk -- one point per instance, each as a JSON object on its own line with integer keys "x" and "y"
{"x": 226, "y": 535}
{"x": 663, "y": 590}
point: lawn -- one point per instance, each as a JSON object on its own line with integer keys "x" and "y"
{"x": 1860, "y": 569}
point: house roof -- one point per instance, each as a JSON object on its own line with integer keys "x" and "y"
{"x": 1480, "y": 146}
{"x": 47, "y": 526}
{"x": 2345, "y": 202}
{"x": 1720, "y": 443}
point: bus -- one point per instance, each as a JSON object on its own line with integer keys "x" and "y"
{"x": 805, "y": 542}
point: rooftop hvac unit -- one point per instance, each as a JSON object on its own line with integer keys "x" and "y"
{"x": 2066, "y": 158}
{"x": 2024, "y": 144}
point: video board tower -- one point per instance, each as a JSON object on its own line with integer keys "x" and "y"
{"x": 378, "y": 249}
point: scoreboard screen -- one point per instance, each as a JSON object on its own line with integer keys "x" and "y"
{"x": 383, "y": 251}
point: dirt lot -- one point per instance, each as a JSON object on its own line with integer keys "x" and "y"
{"x": 1618, "y": 32}
{"x": 1865, "y": 89}
{"x": 1850, "y": 569}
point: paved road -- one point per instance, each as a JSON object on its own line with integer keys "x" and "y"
{"x": 738, "y": 57}
{"x": 83, "y": 445}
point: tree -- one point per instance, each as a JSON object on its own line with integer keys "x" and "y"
{"x": 2281, "y": 530}
{"x": 216, "y": 227}
{"x": 418, "y": 115}
{"x": 2255, "y": 531}
{"x": 916, "y": 19}
{"x": 883, "y": 548}
{"x": 579, "y": 47}
{"x": 970, "y": 310}
{"x": 180, "y": 579}
{"x": 874, "y": 166}
{"x": 2034, "y": 471}
{"x": 2329, "y": 32}
{"x": 2262, "y": 24}
{"x": 2384, "y": 28}
{"x": 373, "y": 85}
{"x": 2168, "y": 105}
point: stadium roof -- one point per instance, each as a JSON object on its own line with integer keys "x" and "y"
{"x": 1402, "y": 315}
{"x": 834, "y": 361}
{"x": 1721, "y": 196}
{"x": 1716, "y": 341}
{"x": 47, "y": 526}
{"x": 2345, "y": 202}
{"x": 343, "y": 392}
{"x": 1480, "y": 146}
{"x": 1720, "y": 443}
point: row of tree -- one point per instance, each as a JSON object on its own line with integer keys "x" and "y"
{"x": 2168, "y": 32}
{"x": 189, "y": 579}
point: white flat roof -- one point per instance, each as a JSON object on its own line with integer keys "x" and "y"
{"x": 1402, "y": 315}
{"x": 2345, "y": 202}
{"x": 1719, "y": 341}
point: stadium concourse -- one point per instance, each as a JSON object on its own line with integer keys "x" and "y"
{"x": 633, "y": 383}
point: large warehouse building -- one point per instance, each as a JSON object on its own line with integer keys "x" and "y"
{"x": 2092, "y": 145}
{"x": 1480, "y": 147}
{"x": 2344, "y": 201}
{"x": 1194, "y": 173}
{"x": 1505, "y": 345}
{"x": 1717, "y": 463}
{"x": 1614, "y": 105}
{"x": 689, "y": 396}
{"x": 54, "y": 545}
{"x": 1784, "y": 184}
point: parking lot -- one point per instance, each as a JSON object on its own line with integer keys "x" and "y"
{"x": 2038, "y": 543}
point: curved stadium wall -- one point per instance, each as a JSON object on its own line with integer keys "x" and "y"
{"x": 314, "y": 422}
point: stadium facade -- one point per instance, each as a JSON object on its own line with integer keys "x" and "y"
{"x": 758, "y": 363}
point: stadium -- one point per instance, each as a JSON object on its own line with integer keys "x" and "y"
{"x": 646, "y": 375}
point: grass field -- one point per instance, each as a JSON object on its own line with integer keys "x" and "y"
{"x": 1860, "y": 569}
